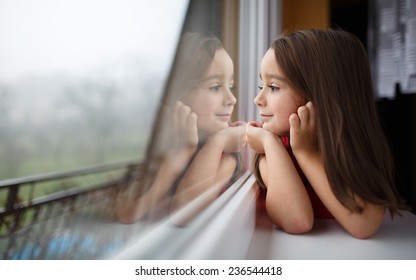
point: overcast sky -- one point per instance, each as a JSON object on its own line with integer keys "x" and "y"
{"x": 44, "y": 36}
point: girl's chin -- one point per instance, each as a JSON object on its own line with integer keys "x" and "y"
{"x": 219, "y": 126}
{"x": 269, "y": 128}
{"x": 208, "y": 131}
{"x": 275, "y": 131}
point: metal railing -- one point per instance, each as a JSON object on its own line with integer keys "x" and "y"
{"x": 59, "y": 224}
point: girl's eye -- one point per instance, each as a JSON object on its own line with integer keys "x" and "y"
{"x": 232, "y": 88}
{"x": 214, "y": 88}
{"x": 260, "y": 87}
{"x": 274, "y": 88}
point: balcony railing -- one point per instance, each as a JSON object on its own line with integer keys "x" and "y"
{"x": 62, "y": 224}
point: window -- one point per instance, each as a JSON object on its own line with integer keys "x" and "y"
{"x": 80, "y": 82}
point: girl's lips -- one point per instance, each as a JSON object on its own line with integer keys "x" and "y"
{"x": 264, "y": 116}
{"x": 224, "y": 117}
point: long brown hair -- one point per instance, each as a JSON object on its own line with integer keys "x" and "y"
{"x": 331, "y": 69}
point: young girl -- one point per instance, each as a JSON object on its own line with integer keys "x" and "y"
{"x": 321, "y": 149}
{"x": 194, "y": 148}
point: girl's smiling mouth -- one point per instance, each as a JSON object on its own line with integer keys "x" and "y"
{"x": 265, "y": 116}
{"x": 224, "y": 117}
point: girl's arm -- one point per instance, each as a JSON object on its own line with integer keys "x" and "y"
{"x": 287, "y": 201}
{"x": 212, "y": 167}
{"x": 303, "y": 142}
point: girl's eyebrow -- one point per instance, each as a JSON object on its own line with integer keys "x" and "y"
{"x": 212, "y": 77}
{"x": 215, "y": 76}
{"x": 273, "y": 76}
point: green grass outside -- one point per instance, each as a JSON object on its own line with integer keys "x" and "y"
{"x": 132, "y": 149}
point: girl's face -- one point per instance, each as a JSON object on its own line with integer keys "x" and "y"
{"x": 213, "y": 100}
{"x": 276, "y": 100}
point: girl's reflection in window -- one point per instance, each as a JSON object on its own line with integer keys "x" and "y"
{"x": 195, "y": 148}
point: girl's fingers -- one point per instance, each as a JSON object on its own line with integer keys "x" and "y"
{"x": 237, "y": 123}
{"x": 311, "y": 110}
{"x": 191, "y": 120}
{"x": 177, "y": 107}
{"x": 295, "y": 123}
{"x": 191, "y": 129}
{"x": 183, "y": 117}
{"x": 255, "y": 124}
{"x": 303, "y": 113}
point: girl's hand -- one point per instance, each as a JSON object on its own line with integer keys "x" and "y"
{"x": 256, "y": 136}
{"x": 185, "y": 120}
{"x": 184, "y": 136}
{"x": 233, "y": 138}
{"x": 303, "y": 138}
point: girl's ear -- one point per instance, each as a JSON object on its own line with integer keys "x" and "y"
{"x": 301, "y": 99}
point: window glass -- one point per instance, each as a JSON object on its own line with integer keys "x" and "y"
{"x": 80, "y": 81}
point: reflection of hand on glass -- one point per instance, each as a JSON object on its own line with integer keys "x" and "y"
{"x": 233, "y": 137}
{"x": 184, "y": 137}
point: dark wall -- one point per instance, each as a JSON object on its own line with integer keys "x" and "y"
{"x": 351, "y": 16}
{"x": 398, "y": 116}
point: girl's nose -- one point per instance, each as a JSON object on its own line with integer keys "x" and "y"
{"x": 259, "y": 99}
{"x": 230, "y": 98}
